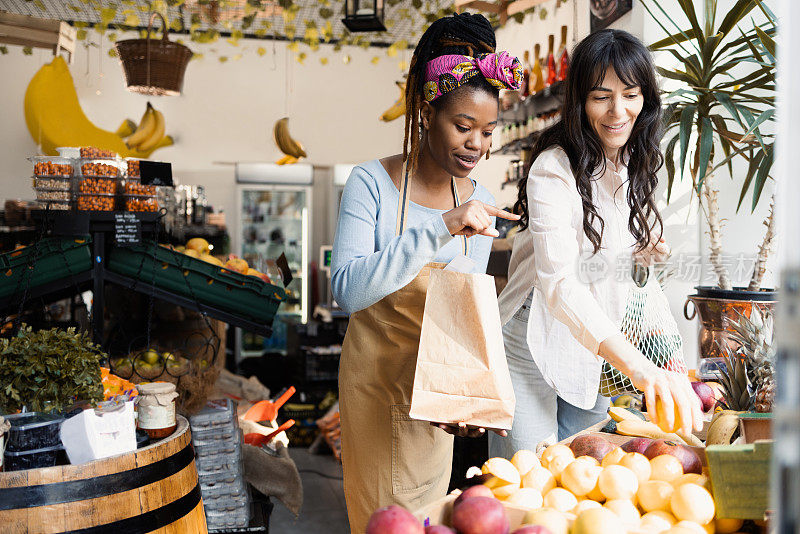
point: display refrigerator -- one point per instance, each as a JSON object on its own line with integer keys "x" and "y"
{"x": 273, "y": 218}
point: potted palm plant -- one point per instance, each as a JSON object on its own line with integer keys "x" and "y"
{"x": 712, "y": 120}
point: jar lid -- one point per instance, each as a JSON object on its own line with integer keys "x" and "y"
{"x": 155, "y": 388}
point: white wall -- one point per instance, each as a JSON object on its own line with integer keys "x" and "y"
{"x": 226, "y": 112}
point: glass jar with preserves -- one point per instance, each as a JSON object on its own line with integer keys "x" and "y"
{"x": 156, "y": 408}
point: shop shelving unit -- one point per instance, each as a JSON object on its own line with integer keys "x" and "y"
{"x": 99, "y": 227}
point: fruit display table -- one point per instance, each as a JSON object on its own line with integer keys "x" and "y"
{"x": 153, "y": 489}
{"x": 63, "y": 265}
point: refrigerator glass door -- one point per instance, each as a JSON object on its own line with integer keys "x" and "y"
{"x": 274, "y": 220}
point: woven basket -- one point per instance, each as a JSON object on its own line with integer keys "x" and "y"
{"x": 154, "y": 67}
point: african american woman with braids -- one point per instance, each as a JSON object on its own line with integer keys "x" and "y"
{"x": 401, "y": 217}
{"x": 587, "y": 206}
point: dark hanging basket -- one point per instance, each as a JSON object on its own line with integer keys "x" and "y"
{"x": 154, "y": 67}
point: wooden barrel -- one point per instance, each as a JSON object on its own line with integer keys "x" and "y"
{"x": 154, "y": 489}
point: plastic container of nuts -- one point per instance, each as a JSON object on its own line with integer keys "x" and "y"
{"x": 51, "y": 166}
{"x": 133, "y": 168}
{"x": 56, "y": 205}
{"x": 95, "y": 202}
{"x": 140, "y": 203}
{"x": 98, "y": 186}
{"x": 53, "y": 194}
{"x": 104, "y": 168}
{"x": 52, "y": 184}
{"x": 91, "y": 152}
{"x": 135, "y": 187}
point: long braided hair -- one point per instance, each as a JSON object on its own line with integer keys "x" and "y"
{"x": 465, "y": 34}
{"x": 633, "y": 63}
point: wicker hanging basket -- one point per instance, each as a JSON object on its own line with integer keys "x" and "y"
{"x": 154, "y": 67}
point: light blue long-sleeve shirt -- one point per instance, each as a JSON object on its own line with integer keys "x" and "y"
{"x": 369, "y": 261}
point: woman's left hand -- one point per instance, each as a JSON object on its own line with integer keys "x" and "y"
{"x": 464, "y": 430}
{"x": 656, "y": 252}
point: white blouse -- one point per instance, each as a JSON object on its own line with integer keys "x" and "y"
{"x": 578, "y": 298}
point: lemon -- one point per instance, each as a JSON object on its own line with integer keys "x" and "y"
{"x": 654, "y": 495}
{"x": 560, "y": 499}
{"x": 691, "y": 502}
{"x": 597, "y": 521}
{"x": 665, "y": 467}
{"x": 638, "y": 463}
{"x": 618, "y": 482}
{"x": 580, "y": 477}
{"x": 613, "y": 457}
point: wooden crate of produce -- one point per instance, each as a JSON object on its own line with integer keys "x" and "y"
{"x": 740, "y": 478}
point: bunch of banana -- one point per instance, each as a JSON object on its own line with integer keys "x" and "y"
{"x": 55, "y": 118}
{"x": 150, "y": 131}
{"x": 285, "y": 142}
{"x": 287, "y": 160}
{"x": 398, "y": 109}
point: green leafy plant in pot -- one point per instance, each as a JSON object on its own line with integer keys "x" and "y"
{"x": 48, "y": 370}
{"x": 713, "y": 120}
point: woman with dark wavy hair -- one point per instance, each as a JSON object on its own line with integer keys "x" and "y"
{"x": 587, "y": 207}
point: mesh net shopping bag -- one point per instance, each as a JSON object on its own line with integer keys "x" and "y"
{"x": 651, "y": 328}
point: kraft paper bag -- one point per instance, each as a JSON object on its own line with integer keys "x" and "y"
{"x": 461, "y": 372}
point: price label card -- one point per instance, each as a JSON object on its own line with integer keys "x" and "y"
{"x": 127, "y": 229}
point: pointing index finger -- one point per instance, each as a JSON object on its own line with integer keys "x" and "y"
{"x": 497, "y": 212}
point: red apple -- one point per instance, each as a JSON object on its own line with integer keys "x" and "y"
{"x": 473, "y": 491}
{"x": 589, "y": 445}
{"x": 706, "y": 395}
{"x": 480, "y": 515}
{"x": 439, "y": 529}
{"x": 637, "y": 445}
{"x": 689, "y": 459}
{"x": 394, "y": 520}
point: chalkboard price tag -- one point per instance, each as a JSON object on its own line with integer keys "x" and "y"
{"x": 127, "y": 229}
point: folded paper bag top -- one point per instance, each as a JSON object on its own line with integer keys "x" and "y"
{"x": 461, "y": 373}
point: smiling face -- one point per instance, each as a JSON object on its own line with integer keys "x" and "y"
{"x": 611, "y": 109}
{"x": 459, "y": 132}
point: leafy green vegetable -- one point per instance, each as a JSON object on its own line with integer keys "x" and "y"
{"x": 48, "y": 370}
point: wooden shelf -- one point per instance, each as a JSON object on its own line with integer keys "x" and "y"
{"x": 23, "y": 30}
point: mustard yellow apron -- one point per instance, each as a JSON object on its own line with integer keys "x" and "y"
{"x": 387, "y": 457}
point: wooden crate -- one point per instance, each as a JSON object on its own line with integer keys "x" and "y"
{"x": 740, "y": 478}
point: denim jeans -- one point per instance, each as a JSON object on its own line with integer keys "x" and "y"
{"x": 540, "y": 414}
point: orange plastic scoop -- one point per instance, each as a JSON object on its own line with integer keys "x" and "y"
{"x": 260, "y": 439}
{"x": 267, "y": 410}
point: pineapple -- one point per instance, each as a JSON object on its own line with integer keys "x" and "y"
{"x": 750, "y": 375}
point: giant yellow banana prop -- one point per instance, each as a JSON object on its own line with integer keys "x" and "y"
{"x": 55, "y": 118}
{"x": 398, "y": 109}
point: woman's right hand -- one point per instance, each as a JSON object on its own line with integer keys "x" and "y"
{"x": 672, "y": 390}
{"x": 676, "y": 396}
{"x": 474, "y": 218}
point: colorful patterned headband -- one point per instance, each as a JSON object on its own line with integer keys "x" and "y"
{"x": 445, "y": 73}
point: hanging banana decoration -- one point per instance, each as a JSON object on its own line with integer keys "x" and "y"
{"x": 398, "y": 109}
{"x": 150, "y": 130}
{"x": 291, "y": 148}
{"x": 55, "y": 118}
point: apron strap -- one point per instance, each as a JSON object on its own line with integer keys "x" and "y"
{"x": 465, "y": 242}
{"x": 405, "y": 199}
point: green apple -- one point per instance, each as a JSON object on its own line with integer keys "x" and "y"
{"x": 150, "y": 357}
